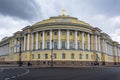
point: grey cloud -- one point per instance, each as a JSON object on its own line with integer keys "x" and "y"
{"x": 24, "y": 9}
{"x": 108, "y": 7}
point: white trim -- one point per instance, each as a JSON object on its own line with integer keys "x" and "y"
{"x": 43, "y": 39}
{"x": 83, "y": 40}
{"x": 28, "y": 42}
{"x": 50, "y": 39}
{"x": 68, "y": 39}
{"x": 24, "y": 42}
{"x": 76, "y": 47}
{"x": 59, "y": 39}
{"x": 36, "y": 40}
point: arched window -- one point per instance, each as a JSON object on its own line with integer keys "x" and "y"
{"x": 86, "y": 56}
{"x": 46, "y": 56}
{"x": 72, "y": 56}
{"x": 54, "y": 56}
{"x": 63, "y": 56}
{"x": 80, "y": 56}
{"x": 38, "y": 56}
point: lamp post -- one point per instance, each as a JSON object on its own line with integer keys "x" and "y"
{"x": 51, "y": 65}
{"x": 20, "y": 52}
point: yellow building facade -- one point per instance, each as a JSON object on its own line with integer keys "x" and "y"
{"x": 61, "y": 41}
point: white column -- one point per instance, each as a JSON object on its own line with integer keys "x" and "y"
{"x": 96, "y": 42}
{"x": 106, "y": 46}
{"x": 36, "y": 40}
{"x": 68, "y": 39}
{"x": 18, "y": 43}
{"x": 83, "y": 40}
{"x": 28, "y": 42}
{"x": 24, "y": 42}
{"x": 88, "y": 41}
{"x": 43, "y": 40}
{"x": 92, "y": 42}
{"x": 50, "y": 39}
{"x": 59, "y": 40}
{"x": 99, "y": 43}
{"x": 76, "y": 47}
{"x": 32, "y": 41}
{"x": 103, "y": 47}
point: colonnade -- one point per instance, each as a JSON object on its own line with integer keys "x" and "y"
{"x": 92, "y": 40}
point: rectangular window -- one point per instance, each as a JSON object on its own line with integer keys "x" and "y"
{"x": 41, "y": 33}
{"x": 54, "y": 55}
{"x": 71, "y": 32}
{"x": 55, "y": 33}
{"x": 63, "y": 44}
{"x": 72, "y": 56}
{"x": 47, "y": 45}
{"x": 55, "y": 45}
{"x": 84, "y": 46}
{"x": 78, "y": 33}
{"x": 78, "y": 44}
{"x": 71, "y": 45}
{"x": 41, "y": 45}
{"x": 63, "y": 32}
{"x": 48, "y": 33}
{"x": 63, "y": 56}
{"x": 46, "y": 56}
{"x": 38, "y": 56}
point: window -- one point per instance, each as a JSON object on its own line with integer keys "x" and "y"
{"x": 55, "y": 45}
{"x": 63, "y": 56}
{"x": 71, "y": 45}
{"x": 47, "y": 45}
{"x": 71, "y": 32}
{"x": 41, "y": 45}
{"x": 86, "y": 56}
{"x": 72, "y": 56}
{"x": 63, "y": 32}
{"x": 54, "y": 56}
{"x": 38, "y": 56}
{"x": 80, "y": 56}
{"x": 55, "y": 33}
{"x": 78, "y": 33}
{"x": 46, "y": 56}
{"x": 41, "y": 33}
{"x": 48, "y": 33}
{"x": 32, "y": 56}
{"x": 97, "y": 57}
{"x": 84, "y": 46}
{"x": 78, "y": 45}
{"x": 63, "y": 44}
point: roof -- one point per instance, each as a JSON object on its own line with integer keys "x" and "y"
{"x": 62, "y": 19}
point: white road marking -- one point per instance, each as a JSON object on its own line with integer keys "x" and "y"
{"x": 6, "y": 78}
{"x": 14, "y": 76}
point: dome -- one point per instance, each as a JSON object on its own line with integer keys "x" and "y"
{"x": 62, "y": 19}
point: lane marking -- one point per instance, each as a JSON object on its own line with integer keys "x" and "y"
{"x": 13, "y": 76}
{"x": 18, "y": 75}
{"x": 6, "y": 78}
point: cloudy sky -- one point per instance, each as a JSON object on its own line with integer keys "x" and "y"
{"x": 16, "y": 14}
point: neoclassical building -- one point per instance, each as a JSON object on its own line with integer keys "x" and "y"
{"x": 61, "y": 40}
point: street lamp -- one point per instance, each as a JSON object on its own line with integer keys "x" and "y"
{"x": 20, "y": 52}
{"x": 51, "y": 55}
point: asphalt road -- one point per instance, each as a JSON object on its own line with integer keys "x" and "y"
{"x": 95, "y": 73}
